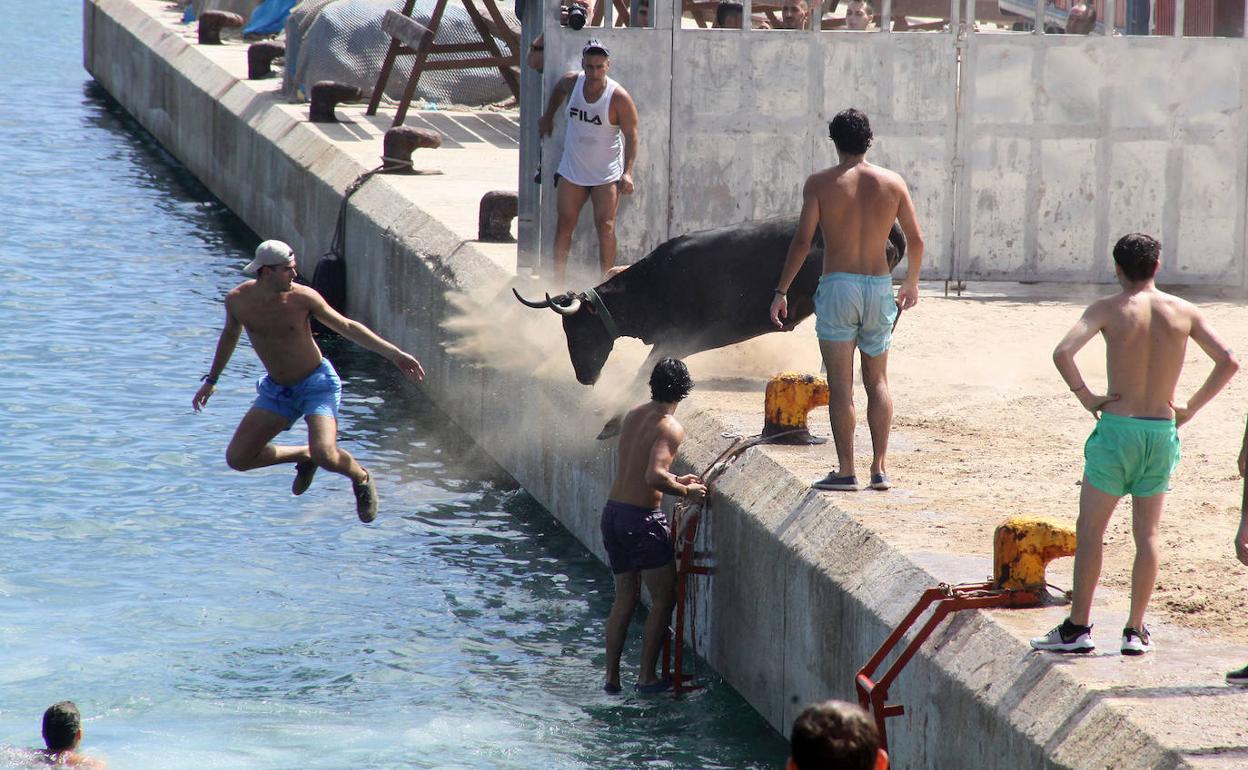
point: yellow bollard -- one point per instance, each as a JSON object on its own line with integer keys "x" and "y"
{"x": 790, "y": 397}
{"x": 1022, "y": 548}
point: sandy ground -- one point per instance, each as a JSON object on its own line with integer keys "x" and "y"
{"x": 985, "y": 428}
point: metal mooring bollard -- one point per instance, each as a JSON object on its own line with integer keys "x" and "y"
{"x": 789, "y": 399}
{"x": 497, "y": 210}
{"x": 1021, "y": 549}
{"x": 212, "y": 22}
{"x": 326, "y": 95}
{"x": 399, "y": 144}
{"x": 260, "y": 56}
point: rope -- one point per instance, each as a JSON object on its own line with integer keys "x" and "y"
{"x": 337, "y": 247}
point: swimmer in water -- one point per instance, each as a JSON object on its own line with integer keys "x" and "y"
{"x": 62, "y": 733}
{"x": 276, "y": 313}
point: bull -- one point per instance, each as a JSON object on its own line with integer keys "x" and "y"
{"x": 695, "y": 292}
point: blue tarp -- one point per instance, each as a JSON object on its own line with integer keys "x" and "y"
{"x": 269, "y": 18}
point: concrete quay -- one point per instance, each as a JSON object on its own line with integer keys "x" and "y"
{"x": 806, "y": 584}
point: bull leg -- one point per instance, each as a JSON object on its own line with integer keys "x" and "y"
{"x": 638, "y": 387}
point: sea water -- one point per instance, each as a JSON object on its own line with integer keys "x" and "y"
{"x": 203, "y": 618}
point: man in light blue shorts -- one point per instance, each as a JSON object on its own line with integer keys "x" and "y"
{"x": 277, "y": 313}
{"x": 1135, "y": 445}
{"x": 855, "y": 203}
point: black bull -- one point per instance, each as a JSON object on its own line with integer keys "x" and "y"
{"x": 695, "y": 292}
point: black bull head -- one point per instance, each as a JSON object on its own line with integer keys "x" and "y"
{"x": 693, "y": 293}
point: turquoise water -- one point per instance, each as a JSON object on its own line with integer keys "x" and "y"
{"x": 203, "y": 618}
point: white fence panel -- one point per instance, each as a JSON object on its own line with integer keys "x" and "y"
{"x": 1074, "y": 141}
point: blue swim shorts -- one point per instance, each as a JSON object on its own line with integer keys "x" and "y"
{"x": 636, "y": 538}
{"x": 318, "y": 393}
{"x": 1131, "y": 456}
{"x": 850, "y": 307}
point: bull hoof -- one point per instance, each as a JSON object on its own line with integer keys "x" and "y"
{"x": 211, "y": 23}
{"x": 611, "y": 429}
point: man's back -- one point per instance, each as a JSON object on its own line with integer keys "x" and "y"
{"x": 643, "y": 427}
{"x": 1146, "y": 336}
{"x": 858, "y": 203}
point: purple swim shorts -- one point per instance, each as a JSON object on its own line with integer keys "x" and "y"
{"x": 636, "y": 538}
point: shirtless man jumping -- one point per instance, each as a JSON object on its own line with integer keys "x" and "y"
{"x": 300, "y": 382}
{"x": 635, "y": 529}
{"x": 1135, "y": 444}
{"x": 855, "y": 203}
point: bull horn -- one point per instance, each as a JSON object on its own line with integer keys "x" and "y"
{"x": 529, "y": 303}
{"x": 560, "y": 309}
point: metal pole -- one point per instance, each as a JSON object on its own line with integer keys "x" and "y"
{"x": 1180, "y": 17}
{"x": 1039, "y": 30}
{"x": 1111, "y": 18}
{"x": 747, "y": 12}
{"x": 886, "y": 16}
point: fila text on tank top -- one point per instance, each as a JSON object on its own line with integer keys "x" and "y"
{"x": 593, "y": 148}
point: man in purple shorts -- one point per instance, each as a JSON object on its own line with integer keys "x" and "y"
{"x": 635, "y": 530}
{"x": 300, "y": 382}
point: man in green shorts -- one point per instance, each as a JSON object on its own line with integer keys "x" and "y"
{"x": 1135, "y": 445}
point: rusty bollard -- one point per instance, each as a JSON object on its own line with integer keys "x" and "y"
{"x": 212, "y": 22}
{"x": 399, "y": 144}
{"x": 497, "y": 210}
{"x": 260, "y": 56}
{"x": 790, "y": 396}
{"x": 326, "y": 95}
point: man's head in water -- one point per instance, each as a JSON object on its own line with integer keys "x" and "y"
{"x": 62, "y": 727}
{"x": 670, "y": 381}
{"x": 1138, "y": 256}
{"x": 835, "y": 734}
{"x": 851, "y": 132}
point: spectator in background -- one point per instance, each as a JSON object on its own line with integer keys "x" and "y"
{"x": 1081, "y": 19}
{"x": 728, "y": 15}
{"x": 795, "y": 14}
{"x": 858, "y": 14}
{"x": 835, "y": 734}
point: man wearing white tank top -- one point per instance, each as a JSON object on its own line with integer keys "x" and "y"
{"x": 598, "y": 152}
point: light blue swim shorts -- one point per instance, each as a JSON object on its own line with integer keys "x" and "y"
{"x": 318, "y": 393}
{"x": 1131, "y": 455}
{"x": 852, "y": 307}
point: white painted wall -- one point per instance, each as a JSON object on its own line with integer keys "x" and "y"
{"x": 1061, "y": 145}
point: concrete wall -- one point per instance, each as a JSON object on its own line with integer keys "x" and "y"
{"x": 802, "y": 591}
{"x": 1060, "y": 144}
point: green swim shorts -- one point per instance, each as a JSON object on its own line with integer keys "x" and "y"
{"x": 1131, "y": 456}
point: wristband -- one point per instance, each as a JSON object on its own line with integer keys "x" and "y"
{"x": 208, "y": 378}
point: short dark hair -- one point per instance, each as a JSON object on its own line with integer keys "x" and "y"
{"x": 670, "y": 381}
{"x": 725, "y": 8}
{"x": 61, "y": 723}
{"x": 834, "y": 734}
{"x": 1138, "y": 255}
{"x": 851, "y": 131}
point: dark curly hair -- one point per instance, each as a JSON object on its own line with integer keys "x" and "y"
{"x": 61, "y": 723}
{"x": 670, "y": 381}
{"x": 834, "y": 734}
{"x": 851, "y": 132}
{"x": 1138, "y": 255}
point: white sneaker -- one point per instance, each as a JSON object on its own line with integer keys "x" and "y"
{"x": 1136, "y": 642}
{"x": 1066, "y": 637}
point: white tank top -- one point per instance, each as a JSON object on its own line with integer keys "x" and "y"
{"x": 593, "y": 149}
